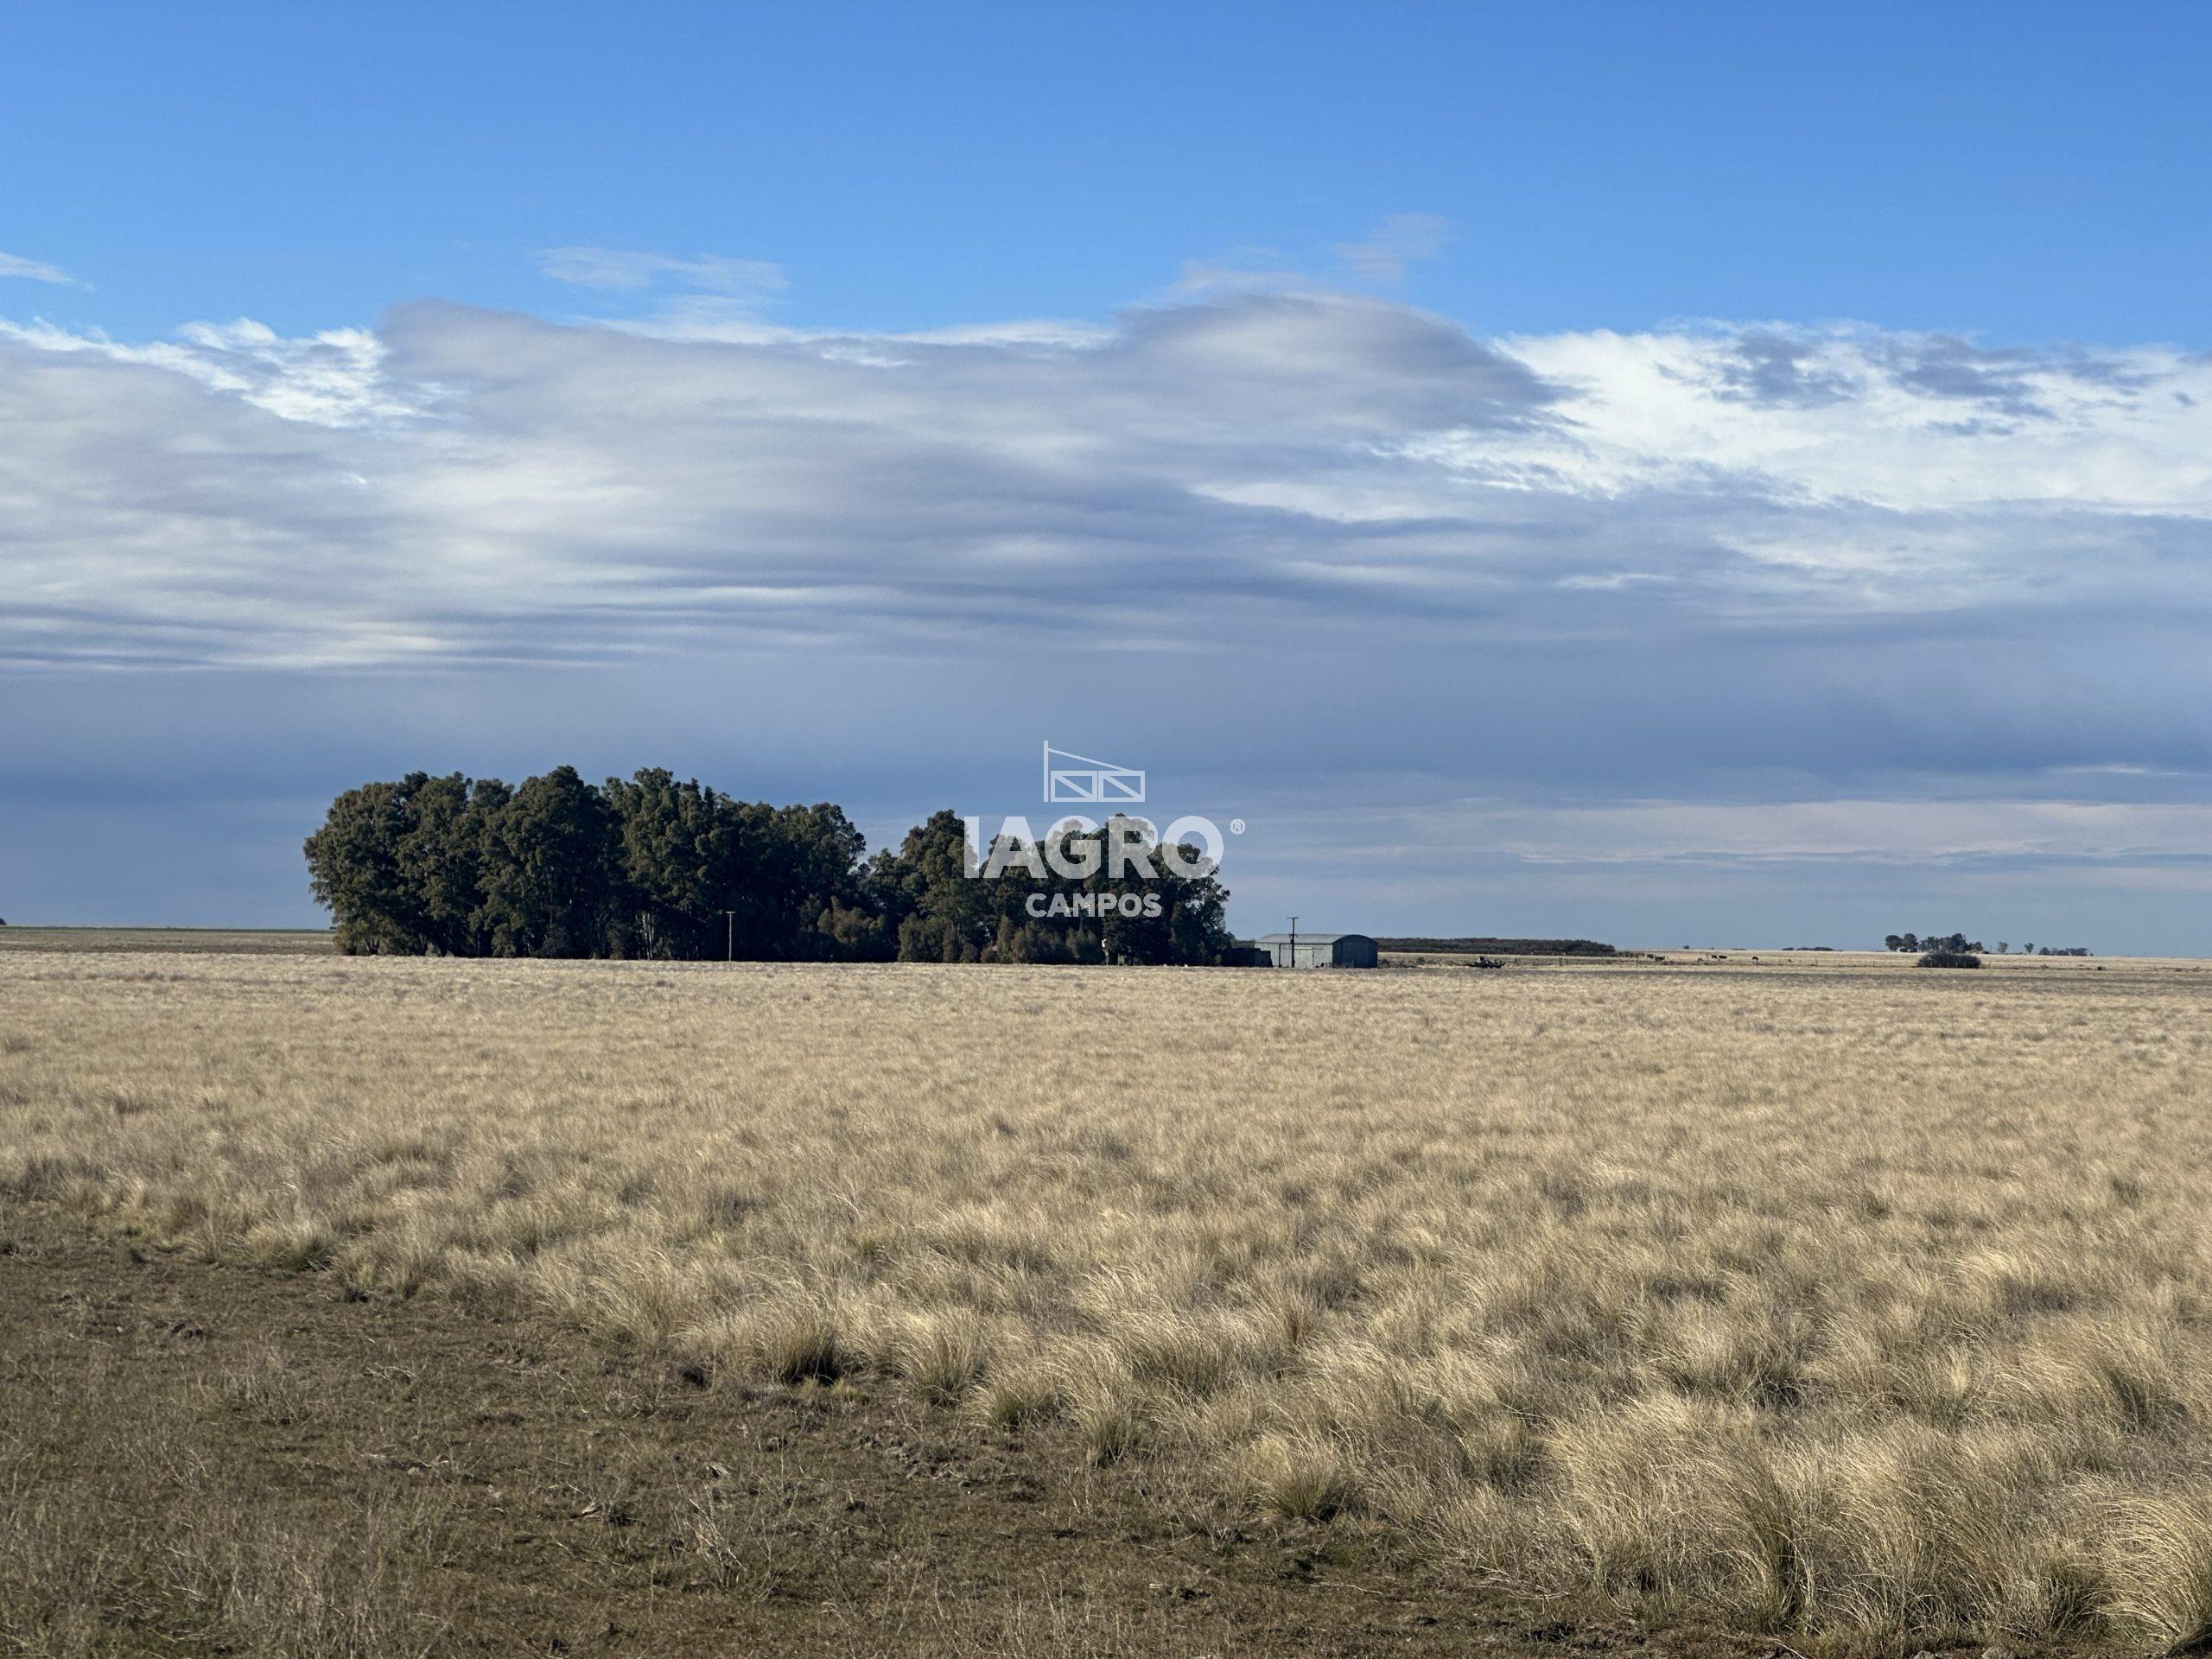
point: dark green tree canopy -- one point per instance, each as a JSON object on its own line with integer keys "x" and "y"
{"x": 657, "y": 867}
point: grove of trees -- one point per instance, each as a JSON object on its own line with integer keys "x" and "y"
{"x": 1913, "y": 941}
{"x": 655, "y": 867}
{"x": 1960, "y": 943}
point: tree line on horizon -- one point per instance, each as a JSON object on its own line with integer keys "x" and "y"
{"x": 656, "y": 867}
{"x": 1958, "y": 943}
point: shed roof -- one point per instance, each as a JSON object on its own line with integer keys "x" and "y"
{"x": 1304, "y": 938}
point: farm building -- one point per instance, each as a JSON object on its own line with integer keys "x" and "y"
{"x": 1303, "y": 949}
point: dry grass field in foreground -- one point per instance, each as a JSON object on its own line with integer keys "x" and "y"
{"x": 1856, "y": 1299}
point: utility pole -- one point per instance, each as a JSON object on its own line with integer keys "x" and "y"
{"x": 1293, "y": 941}
{"x": 729, "y": 936}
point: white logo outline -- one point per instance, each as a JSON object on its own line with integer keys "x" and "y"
{"x": 1093, "y": 782}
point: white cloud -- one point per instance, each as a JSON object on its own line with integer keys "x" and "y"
{"x": 35, "y": 270}
{"x": 1900, "y": 422}
{"x": 463, "y": 485}
{"x": 618, "y": 270}
{"x": 1402, "y": 239}
{"x": 1248, "y": 269}
{"x": 702, "y": 297}
{"x": 333, "y": 379}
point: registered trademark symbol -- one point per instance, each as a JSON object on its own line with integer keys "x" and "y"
{"x": 1237, "y": 826}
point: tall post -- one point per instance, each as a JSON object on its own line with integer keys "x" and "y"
{"x": 729, "y": 936}
{"x": 1293, "y": 941}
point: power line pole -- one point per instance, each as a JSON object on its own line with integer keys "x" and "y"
{"x": 1293, "y": 941}
{"x": 729, "y": 936}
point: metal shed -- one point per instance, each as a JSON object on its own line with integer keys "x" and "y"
{"x": 1304, "y": 950}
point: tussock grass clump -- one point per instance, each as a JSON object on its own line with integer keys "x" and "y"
{"x": 1302, "y": 1477}
{"x": 943, "y": 1354}
{"x": 1675, "y": 1496}
{"x": 1504, "y": 1453}
{"x": 796, "y": 1342}
{"x": 2158, "y": 1562}
{"x": 1108, "y": 1407}
{"x": 1854, "y": 1302}
{"x": 1108, "y": 1424}
{"x": 1020, "y": 1391}
{"x": 299, "y": 1244}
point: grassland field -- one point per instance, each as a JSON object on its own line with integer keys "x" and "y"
{"x": 195, "y": 940}
{"x": 1817, "y": 1293}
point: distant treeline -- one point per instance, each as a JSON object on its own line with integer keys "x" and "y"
{"x": 1958, "y": 943}
{"x": 656, "y": 867}
{"x": 1501, "y": 947}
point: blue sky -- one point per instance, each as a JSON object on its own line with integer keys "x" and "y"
{"x": 1747, "y": 466}
{"x": 2023, "y": 172}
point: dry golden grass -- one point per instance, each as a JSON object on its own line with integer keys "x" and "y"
{"x": 1841, "y": 1296}
{"x": 288, "y": 942}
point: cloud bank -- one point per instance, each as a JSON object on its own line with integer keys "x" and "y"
{"x": 459, "y": 480}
